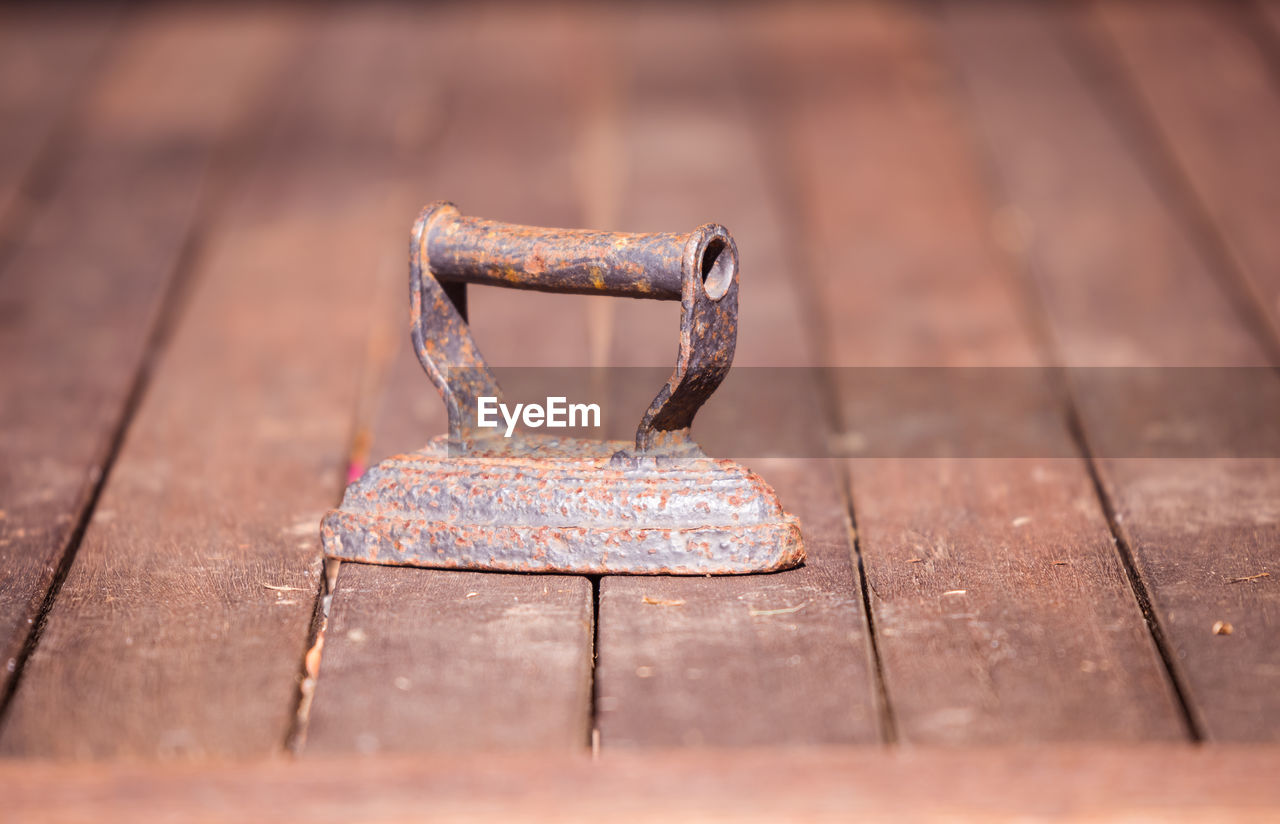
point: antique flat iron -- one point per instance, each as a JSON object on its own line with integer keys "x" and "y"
{"x": 475, "y": 499}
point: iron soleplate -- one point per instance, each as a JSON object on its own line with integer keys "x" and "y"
{"x": 563, "y": 505}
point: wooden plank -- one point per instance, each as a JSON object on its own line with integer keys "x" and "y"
{"x": 766, "y": 785}
{"x": 420, "y": 660}
{"x": 465, "y": 660}
{"x": 1001, "y": 609}
{"x": 743, "y": 661}
{"x": 48, "y": 58}
{"x": 732, "y": 661}
{"x": 85, "y": 291}
{"x": 181, "y": 626}
{"x": 1218, "y": 115}
{"x": 1121, "y": 285}
{"x": 1270, "y": 11}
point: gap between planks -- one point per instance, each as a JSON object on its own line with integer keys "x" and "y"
{"x": 1204, "y": 503}
{"x": 736, "y": 660}
{"x": 881, "y": 164}
{"x": 462, "y": 660}
{"x": 782, "y": 178}
{"x": 1095, "y": 51}
{"x": 1034, "y": 309}
{"x": 226, "y": 141}
{"x": 198, "y": 674}
{"x": 1030, "y": 302}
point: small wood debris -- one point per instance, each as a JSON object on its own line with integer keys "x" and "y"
{"x": 662, "y": 602}
{"x": 275, "y": 588}
{"x": 311, "y": 662}
{"x": 915, "y": 560}
{"x": 1249, "y": 578}
{"x": 471, "y": 595}
{"x": 956, "y": 592}
{"x": 1021, "y": 520}
{"x": 780, "y": 611}
{"x": 1222, "y": 628}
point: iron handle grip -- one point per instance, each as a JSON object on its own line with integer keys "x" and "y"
{"x": 463, "y": 249}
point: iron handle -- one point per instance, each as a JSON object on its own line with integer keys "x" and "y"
{"x": 476, "y": 250}
{"x": 699, "y": 268}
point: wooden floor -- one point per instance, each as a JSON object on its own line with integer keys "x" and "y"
{"x": 202, "y": 314}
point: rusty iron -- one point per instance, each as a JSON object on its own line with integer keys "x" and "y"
{"x": 473, "y": 499}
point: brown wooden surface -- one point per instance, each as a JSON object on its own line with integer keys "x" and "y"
{"x": 426, "y": 660}
{"x": 1001, "y": 609}
{"x": 49, "y": 59}
{"x": 779, "y": 659}
{"x": 84, "y": 291}
{"x": 1270, "y": 10}
{"x": 181, "y": 626}
{"x": 767, "y": 785}
{"x": 203, "y": 212}
{"x": 1121, "y": 284}
{"x": 1219, "y": 117}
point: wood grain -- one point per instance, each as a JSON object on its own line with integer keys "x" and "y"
{"x": 181, "y": 625}
{"x": 487, "y": 661}
{"x": 48, "y": 58}
{"x": 1001, "y": 609}
{"x": 764, "y": 785}
{"x": 85, "y": 289}
{"x": 1121, "y": 285}
{"x": 1218, "y": 115}
{"x": 728, "y": 661}
{"x": 427, "y": 660}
